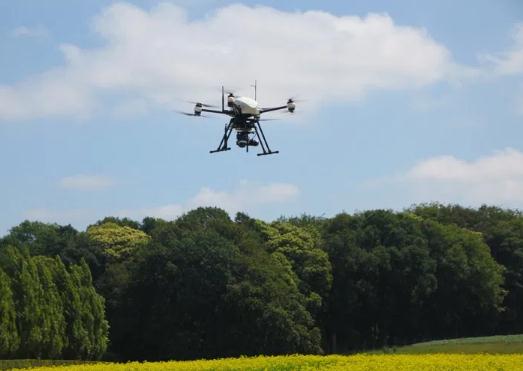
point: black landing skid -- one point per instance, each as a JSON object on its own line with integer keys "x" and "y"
{"x": 255, "y": 124}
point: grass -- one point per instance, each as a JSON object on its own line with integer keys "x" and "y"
{"x": 509, "y": 344}
{"x": 29, "y": 363}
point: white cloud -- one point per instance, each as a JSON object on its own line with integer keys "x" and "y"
{"x": 166, "y": 212}
{"x": 31, "y": 32}
{"x": 247, "y": 196}
{"x": 50, "y": 94}
{"x": 84, "y": 182}
{"x": 158, "y": 55}
{"x": 494, "y": 179}
{"x": 511, "y": 61}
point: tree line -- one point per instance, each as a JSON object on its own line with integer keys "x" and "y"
{"x": 48, "y": 310}
{"x": 206, "y": 285}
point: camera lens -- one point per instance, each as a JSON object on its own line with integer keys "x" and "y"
{"x": 242, "y": 139}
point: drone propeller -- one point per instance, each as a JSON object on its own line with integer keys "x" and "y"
{"x": 231, "y": 91}
{"x": 189, "y": 114}
{"x": 285, "y": 112}
{"x": 202, "y": 104}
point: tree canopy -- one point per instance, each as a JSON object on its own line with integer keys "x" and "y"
{"x": 47, "y": 310}
{"x": 205, "y": 285}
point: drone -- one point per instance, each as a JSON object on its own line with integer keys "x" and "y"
{"x": 245, "y": 114}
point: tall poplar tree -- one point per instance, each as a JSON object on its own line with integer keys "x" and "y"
{"x": 53, "y": 321}
{"x": 9, "y": 339}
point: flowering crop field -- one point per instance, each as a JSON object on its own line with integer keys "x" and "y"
{"x": 458, "y": 362}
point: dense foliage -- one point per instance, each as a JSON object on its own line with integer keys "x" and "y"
{"x": 47, "y": 310}
{"x": 208, "y": 286}
{"x": 502, "y": 231}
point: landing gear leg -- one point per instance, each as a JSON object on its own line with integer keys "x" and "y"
{"x": 223, "y": 144}
{"x": 263, "y": 141}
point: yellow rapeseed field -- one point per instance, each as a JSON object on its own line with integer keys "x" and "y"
{"x": 458, "y": 362}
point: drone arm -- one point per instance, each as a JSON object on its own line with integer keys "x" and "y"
{"x": 272, "y": 109}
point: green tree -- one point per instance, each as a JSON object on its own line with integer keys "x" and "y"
{"x": 117, "y": 242}
{"x": 265, "y": 312}
{"x": 505, "y": 239}
{"x": 310, "y": 263}
{"x": 9, "y": 339}
{"x": 27, "y": 297}
{"x": 52, "y": 325}
{"x": 41, "y": 238}
{"x": 469, "y": 294}
{"x": 382, "y": 275}
{"x": 52, "y": 240}
{"x": 206, "y": 287}
{"x": 76, "y": 333}
{"x": 58, "y": 313}
{"x": 122, "y": 222}
{"x": 502, "y": 230}
{"x": 91, "y": 312}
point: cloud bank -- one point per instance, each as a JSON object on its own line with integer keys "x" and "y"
{"x": 493, "y": 179}
{"x": 246, "y": 197}
{"x": 158, "y": 55}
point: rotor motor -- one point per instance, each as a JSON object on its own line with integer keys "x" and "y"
{"x": 291, "y": 106}
{"x": 230, "y": 100}
{"x": 198, "y": 109}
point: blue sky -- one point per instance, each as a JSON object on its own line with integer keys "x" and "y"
{"x": 403, "y": 103}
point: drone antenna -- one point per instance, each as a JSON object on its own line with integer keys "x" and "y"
{"x": 254, "y": 86}
{"x": 223, "y": 100}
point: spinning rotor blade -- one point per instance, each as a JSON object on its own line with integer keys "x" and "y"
{"x": 284, "y": 112}
{"x": 295, "y": 100}
{"x": 229, "y": 90}
{"x": 202, "y": 104}
{"x": 189, "y": 114}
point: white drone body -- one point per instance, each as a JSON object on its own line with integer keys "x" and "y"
{"x": 245, "y": 105}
